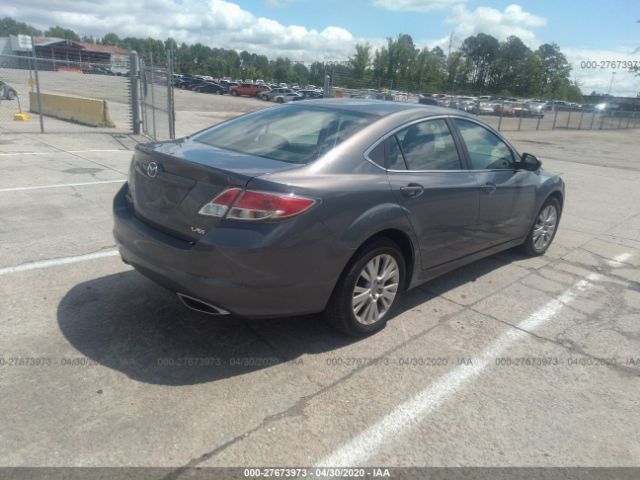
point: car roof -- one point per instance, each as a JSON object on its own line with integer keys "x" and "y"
{"x": 383, "y": 107}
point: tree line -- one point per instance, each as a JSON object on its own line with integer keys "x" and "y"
{"x": 482, "y": 64}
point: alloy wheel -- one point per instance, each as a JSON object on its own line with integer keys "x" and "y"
{"x": 545, "y": 227}
{"x": 375, "y": 289}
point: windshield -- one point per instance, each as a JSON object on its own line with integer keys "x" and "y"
{"x": 295, "y": 134}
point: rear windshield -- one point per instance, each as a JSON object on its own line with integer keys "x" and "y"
{"x": 295, "y": 133}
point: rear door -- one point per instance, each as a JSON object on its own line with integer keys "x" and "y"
{"x": 425, "y": 171}
{"x": 507, "y": 193}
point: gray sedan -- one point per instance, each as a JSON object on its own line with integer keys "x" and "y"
{"x": 333, "y": 206}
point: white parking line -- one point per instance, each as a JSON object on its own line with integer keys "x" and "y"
{"x": 368, "y": 442}
{"x": 619, "y": 260}
{"x": 58, "y": 261}
{"x": 58, "y": 152}
{"x": 60, "y": 185}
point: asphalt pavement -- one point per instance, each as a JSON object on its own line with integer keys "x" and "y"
{"x": 510, "y": 361}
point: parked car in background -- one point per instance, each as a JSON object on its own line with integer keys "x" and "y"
{"x": 427, "y": 100}
{"x": 7, "y": 92}
{"x": 227, "y": 83}
{"x": 248, "y": 89}
{"x": 96, "y": 70}
{"x": 270, "y": 95}
{"x": 558, "y": 105}
{"x": 288, "y": 96}
{"x": 311, "y": 94}
{"x": 534, "y": 109}
{"x": 211, "y": 87}
{"x": 329, "y": 206}
{"x": 486, "y": 108}
{"x": 504, "y": 108}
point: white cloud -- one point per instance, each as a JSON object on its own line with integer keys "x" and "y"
{"x": 415, "y": 5}
{"x": 278, "y": 3}
{"x": 512, "y": 21}
{"x": 625, "y": 83}
{"x": 221, "y": 23}
{"x": 217, "y": 23}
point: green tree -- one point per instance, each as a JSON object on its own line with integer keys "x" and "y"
{"x": 112, "y": 39}
{"x": 480, "y": 52}
{"x": 360, "y": 61}
{"x": 8, "y": 26}
{"x": 555, "y": 69}
{"x": 510, "y": 69}
{"x": 61, "y": 32}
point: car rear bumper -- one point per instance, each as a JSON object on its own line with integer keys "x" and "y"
{"x": 260, "y": 280}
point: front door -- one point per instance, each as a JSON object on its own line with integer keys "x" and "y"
{"x": 507, "y": 193}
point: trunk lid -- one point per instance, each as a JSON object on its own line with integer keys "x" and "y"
{"x": 170, "y": 181}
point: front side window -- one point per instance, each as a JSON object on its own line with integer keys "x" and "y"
{"x": 428, "y": 145}
{"x": 486, "y": 150}
{"x": 295, "y": 134}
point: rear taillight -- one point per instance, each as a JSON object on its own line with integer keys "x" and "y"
{"x": 252, "y": 205}
{"x": 219, "y": 205}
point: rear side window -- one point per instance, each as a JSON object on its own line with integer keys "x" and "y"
{"x": 296, "y": 134}
{"x": 486, "y": 150}
{"x": 396, "y": 159}
{"x": 428, "y": 145}
{"x": 388, "y": 155}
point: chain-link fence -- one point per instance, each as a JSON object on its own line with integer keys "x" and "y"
{"x": 507, "y": 114}
{"x": 156, "y": 95}
{"x": 73, "y": 96}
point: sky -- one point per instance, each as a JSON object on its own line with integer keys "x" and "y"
{"x": 307, "y": 30}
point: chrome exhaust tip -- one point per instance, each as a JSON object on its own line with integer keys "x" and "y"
{"x": 200, "y": 306}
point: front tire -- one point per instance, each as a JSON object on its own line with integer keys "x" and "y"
{"x": 544, "y": 228}
{"x": 368, "y": 290}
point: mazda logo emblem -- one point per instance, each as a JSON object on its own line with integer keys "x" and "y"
{"x": 152, "y": 169}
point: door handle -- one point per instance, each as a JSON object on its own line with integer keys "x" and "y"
{"x": 488, "y": 188}
{"x": 412, "y": 190}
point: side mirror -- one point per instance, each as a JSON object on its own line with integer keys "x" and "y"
{"x": 530, "y": 162}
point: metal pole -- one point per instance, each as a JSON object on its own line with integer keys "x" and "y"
{"x": 30, "y": 61}
{"x": 601, "y": 120}
{"x": 520, "y": 121}
{"x": 593, "y": 117}
{"x": 134, "y": 78}
{"x": 555, "y": 115}
{"x": 144, "y": 94}
{"x": 170, "y": 109}
{"x": 568, "y": 119}
{"x": 35, "y": 70}
{"x": 153, "y": 103}
{"x": 580, "y": 122}
{"x": 501, "y": 114}
{"x": 538, "y": 122}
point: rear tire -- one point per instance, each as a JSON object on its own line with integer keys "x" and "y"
{"x": 234, "y": 93}
{"x": 544, "y": 229}
{"x": 11, "y": 95}
{"x": 368, "y": 290}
